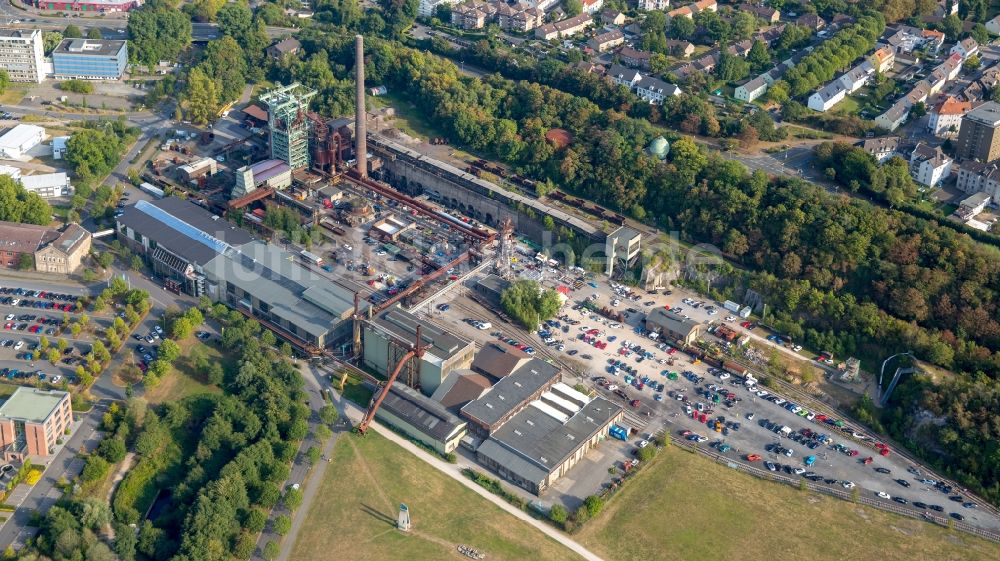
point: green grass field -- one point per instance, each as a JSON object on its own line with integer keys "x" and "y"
{"x": 182, "y": 380}
{"x": 357, "y": 503}
{"x": 686, "y": 507}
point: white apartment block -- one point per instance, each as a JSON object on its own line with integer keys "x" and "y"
{"x": 21, "y": 54}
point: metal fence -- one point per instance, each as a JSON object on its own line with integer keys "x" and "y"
{"x": 838, "y": 493}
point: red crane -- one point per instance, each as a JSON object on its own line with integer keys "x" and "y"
{"x": 416, "y": 351}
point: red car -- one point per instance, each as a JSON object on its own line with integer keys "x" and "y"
{"x": 671, "y": 351}
{"x": 745, "y": 324}
{"x": 593, "y": 331}
{"x": 635, "y": 403}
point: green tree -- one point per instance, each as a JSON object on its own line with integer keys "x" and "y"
{"x": 95, "y": 468}
{"x": 72, "y": 32}
{"x": 681, "y": 28}
{"x": 271, "y": 550}
{"x": 93, "y": 153}
{"x": 201, "y": 101}
{"x": 313, "y": 455}
{"x": 282, "y": 525}
{"x": 169, "y": 350}
{"x": 112, "y": 449}
{"x": 51, "y": 40}
{"x": 558, "y": 514}
{"x": 292, "y": 499}
{"x": 528, "y": 304}
{"x": 18, "y": 205}
{"x": 4, "y": 80}
{"x": 25, "y": 262}
{"x": 225, "y": 63}
{"x": 157, "y": 31}
{"x": 594, "y": 505}
{"x": 328, "y": 414}
{"x": 759, "y": 57}
{"x": 572, "y": 7}
{"x": 94, "y": 33}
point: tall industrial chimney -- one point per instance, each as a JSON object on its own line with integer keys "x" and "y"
{"x": 360, "y": 132}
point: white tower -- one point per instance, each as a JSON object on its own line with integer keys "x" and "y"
{"x": 403, "y": 522}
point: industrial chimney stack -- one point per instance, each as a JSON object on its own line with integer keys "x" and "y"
{"x": 360, "y": 132}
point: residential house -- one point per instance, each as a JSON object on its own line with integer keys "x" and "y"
{"x": 765, "y": 13}
{"x": 881, "y": 148}
{"x": 971, "y": 206}
{"x": 680, "y": 48}
{"x": 932, "y": 39}
{"x": 564, "y": 28}
{"x": 882, "y": 59}
{"x": 857, "y": 77}
{"x": 827, "y": 96}
{"x": 627, "y": 77}
{"x": 929, "y": 166}
{"x": 612, "y": 17}
{"x": 893, "y": 117}
{"x": 993, "y": 26}
{"x": 979, "y": 177}
{"x": 473, "y": 14}
{"x": 682, "y": 12}
{"x": 518, "y": 17}
{"x": 591, "y": 6}
{"x": 288, "y": 46}
{"x": 428, "y": 8}
{"x": 650, "y": 5}
{"x": 606, "y": 41}
{"x": 634, "y": 58}
{"x": 812, "y": 21}
{"x": 942, "y": 73}
{"x": 752, "y": 89}
{"x": 702, "y": 5}
{"x": 740, "y": 48}
{"x": 654, "y": 90}
{"x": 966, "y": 48}
{"x": 945, "y": 118}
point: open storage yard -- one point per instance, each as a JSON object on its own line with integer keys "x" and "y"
{"x": 688, "y": 507}
{"x": 360, "y": 499}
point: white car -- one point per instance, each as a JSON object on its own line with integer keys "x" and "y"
{"x": 797, "y": 348}
{"x": 799, "y": 471}
{"x": 10, "y": 317}
{"x": 713, "y": 312}
{"x": 643, "y": 443}
{"x": 730, "y": 318}
{"x": 56, "y": 378}
{"x": 810, "y": 416}
{"x": 848, "y": 484}
{"x": 883, "y": 495}
{"x": 18, "y": 345}
{"x": 612, "y": 387}
{"x": 702, "y": 438}
{"x": 724, "y": 376}
{"x": 762, "y": 393}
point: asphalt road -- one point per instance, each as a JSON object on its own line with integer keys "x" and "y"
{"x": 45, "y": 493}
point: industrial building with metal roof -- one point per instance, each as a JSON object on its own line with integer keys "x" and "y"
{"x": 543, "y": 441}
{"x": 422, "y": 418}
{"x": 510, "y": 395}
{"x": 391, "y": 332}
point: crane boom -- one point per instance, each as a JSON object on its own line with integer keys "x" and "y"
{"x": 416, "y": 351}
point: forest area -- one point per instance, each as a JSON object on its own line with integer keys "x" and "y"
{"x": 208, "y": 466}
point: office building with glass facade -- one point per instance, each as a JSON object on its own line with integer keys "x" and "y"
{"x": 90, "y": 59}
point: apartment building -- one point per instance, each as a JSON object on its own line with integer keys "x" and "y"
{"x": 32, "y": 420}
{"x": 21, "y": 54}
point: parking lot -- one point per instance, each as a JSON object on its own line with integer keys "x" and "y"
{"x": 29, "y": 315}
{"x": 669, "y": 391}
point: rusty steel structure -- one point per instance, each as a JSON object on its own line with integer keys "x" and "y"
{"x": 416, "y": 351}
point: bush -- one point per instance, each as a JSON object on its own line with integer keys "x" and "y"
{"x": 77, "y": 86}
{"x": 255, "y": 521}
{"x": 646, "y": 454}
{"x": 451, "y": 457}
{"x": 112, "y": 450}
{"x": 271, "y": 550}
{"x": 558, "y": 514}
{"x": 594, "y": 505}
{"x": 96, "y": 468}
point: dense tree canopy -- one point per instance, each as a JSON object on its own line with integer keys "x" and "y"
{"x": 158, "y": 32}
{"x": 18, "y": 205}
{"x": 528, "y": 303}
